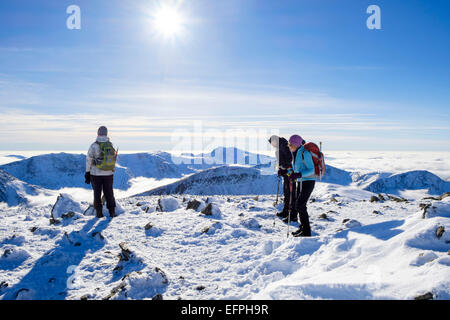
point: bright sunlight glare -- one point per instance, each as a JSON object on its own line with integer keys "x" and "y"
{"x": 168, "y": 22}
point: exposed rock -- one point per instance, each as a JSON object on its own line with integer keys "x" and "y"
{"x": 392, "y": 198}
{"x": 440, "y": 231}
{"x": 323, "y": 216}
{"x": 54, "y": 221}
{"x": 345, "y": 220}
{"x": 256, "y": 198}
{"x": 426, "y": 296}
{"x": 205, "y": 229}
{"x": 126, "y": 253}
{"x": 163, "y": 275}
{"x": 381, "y": 197}
{"x": 33, "y": 229}
{"x": 3, "y": 285}
{"x": 115, "y": 291}
{"x": 200, "y": 288}
{"x": 333, "y": 199}
{"x": 194, "y": 204}
{"x": 424, "y": 207}
{"x": 68, "y": 215}
{"x": 208, "y": 211}
{"x": 148, "y": 226}
{"x": 376, "y": 212}
{"x": 374, "y": 199}
{"x": 158, "y": 297}
{"x": 85, "y": 297}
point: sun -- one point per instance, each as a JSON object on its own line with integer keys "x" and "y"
{"x": 168, "y": 22}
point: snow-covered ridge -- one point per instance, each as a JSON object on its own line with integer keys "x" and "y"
{"x": 14, "y": 192}
{"x": 61, "y": 170}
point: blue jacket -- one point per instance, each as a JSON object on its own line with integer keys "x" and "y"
{"x": 305, "y": 166}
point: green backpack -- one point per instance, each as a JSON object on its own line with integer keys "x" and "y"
{"x": 108, "y": 155}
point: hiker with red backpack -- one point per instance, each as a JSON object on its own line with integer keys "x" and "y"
{"x": 100, "y": 167}
{"x": 308, "y": 165}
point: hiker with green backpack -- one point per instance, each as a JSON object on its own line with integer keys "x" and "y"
{"x": 100, "y": 167}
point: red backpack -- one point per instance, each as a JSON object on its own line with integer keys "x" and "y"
{"x": 317, "y": 157}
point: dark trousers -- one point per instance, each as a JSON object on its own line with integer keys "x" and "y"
{"x": 105, "y": 184}
{"x": 287, "y": 194}
{"x": 304, "y": 192}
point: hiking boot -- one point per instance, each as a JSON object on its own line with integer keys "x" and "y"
{"x": 112, "y": 212}
{"x": 301, "y": 233}
{"x": 99, "y": 213}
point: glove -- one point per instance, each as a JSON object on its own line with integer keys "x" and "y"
{"x": 282, "y": 172}
{"x": 87, "y": 177}
{"x": 294, "y": 176}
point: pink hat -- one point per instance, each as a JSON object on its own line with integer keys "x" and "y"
{"x": 296, "y": 140}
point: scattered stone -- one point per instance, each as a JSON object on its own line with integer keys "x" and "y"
{"x": 440, "y": 231}
{"x": 312, "y": 200}
{"x": 33, "y": 229}
{"x": 158, "y": 297}
{"x": 345, "y": 220}
{"x": 241, "y": 214}
{"x": 200, "y": 288}
{"x": 323, "y": 216}
{"x": 148, "y": 226}
{"x": 85, "y": 297}
{"x": 3, "y": 285}
{"x": 163, "y": 275}
{"x": 392, "y": 198}
{"x": 126, "y": 253}
{"x": 205, "y": 229}
{"x": 425, "y": 207}
{"x": 139, "y": 204}
{"x": 445, "y": 195}
{"x": 68, "y": 215}
{"x": 376, "y": 212}
{"x": 115, "y": 291}
{"x": 380, "y": 196}
{"x": 208, "y": 211}
{"x": 256, "y": 198}
{"x": 374, "y": 199}
{"x": 54, "y": 221}
{"x": 426, "y": 296}
{"x": 194, "y": 204}
{"x": 333, "y": 199}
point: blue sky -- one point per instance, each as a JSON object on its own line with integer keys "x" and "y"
{"x": 242, "y": 68}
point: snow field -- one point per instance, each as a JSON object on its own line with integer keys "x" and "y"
{"x": 232, "y": 251}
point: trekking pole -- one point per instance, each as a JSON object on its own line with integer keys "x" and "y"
{"x": 276, "y": 201}
{"x": 290, "y": 207}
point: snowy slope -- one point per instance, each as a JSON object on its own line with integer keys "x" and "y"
{"x": 411, "y": 180}
{"x": 14, "y": 191}
{"x": 236, "y": 180}
{"x": 56, "y": 171}
{"x": 233, "y": 180}
{"x": 235, "y": 253}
